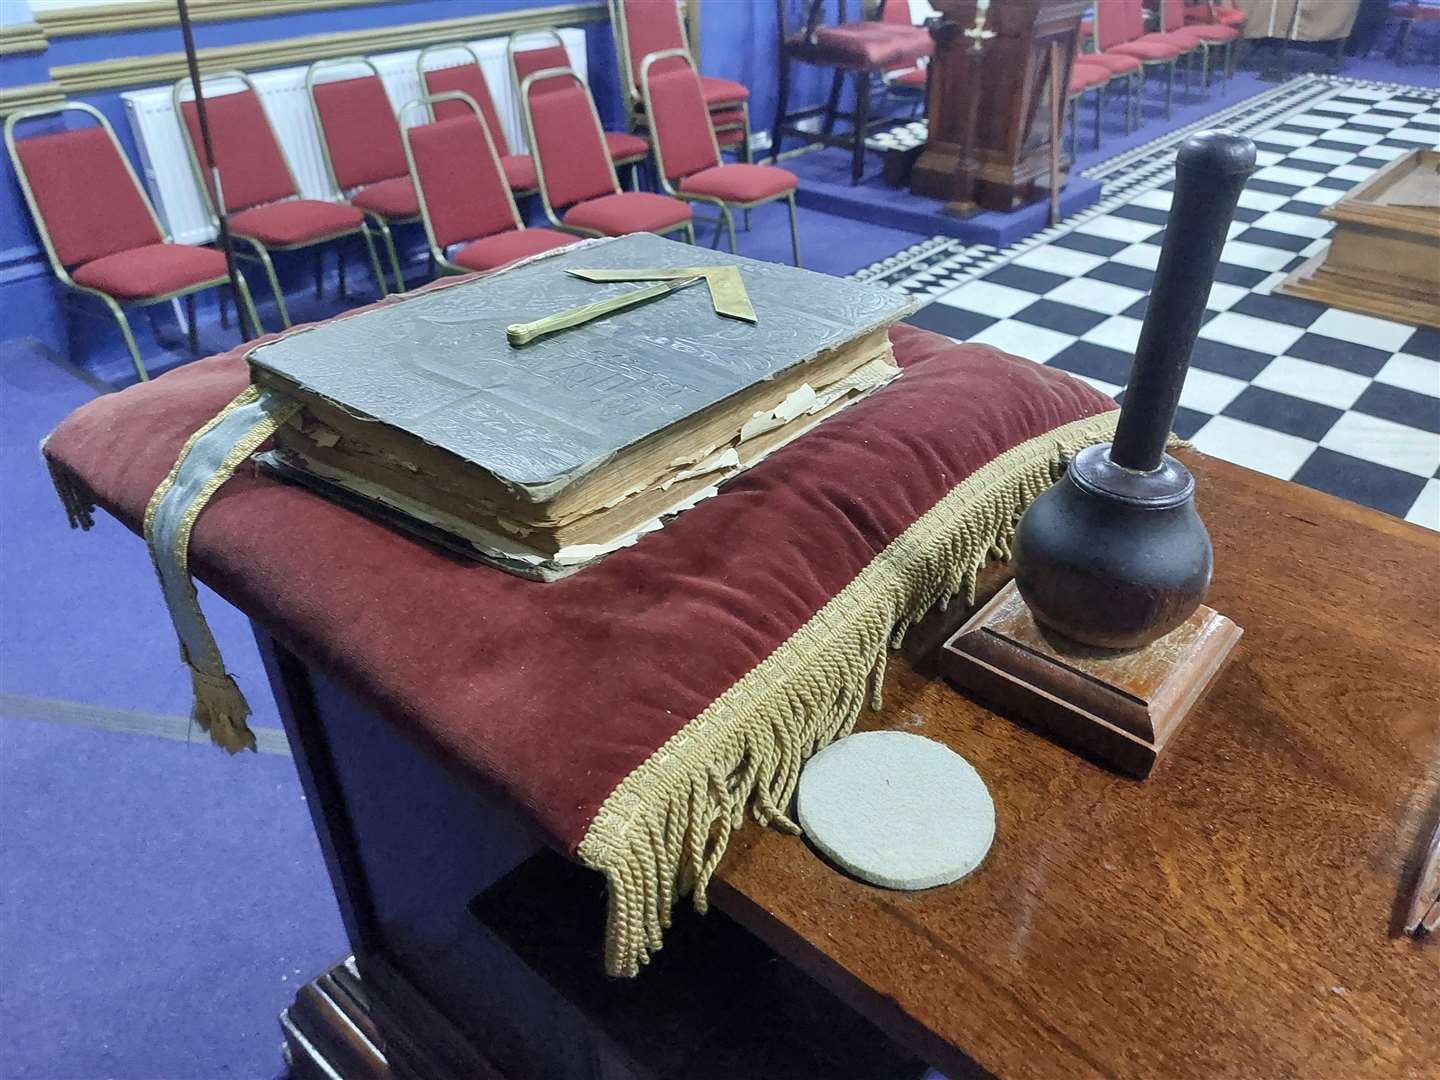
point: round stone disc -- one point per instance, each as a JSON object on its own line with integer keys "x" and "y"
{"x": 896, "y": 809}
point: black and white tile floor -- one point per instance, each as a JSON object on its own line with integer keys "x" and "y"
{"x": 1343, "y": 402}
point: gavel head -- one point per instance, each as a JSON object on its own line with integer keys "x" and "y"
{"x": 1114, "y": 555}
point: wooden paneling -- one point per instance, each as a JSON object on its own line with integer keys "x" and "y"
{"x": 73, "y": 20}
{"x": 167, "y": 67}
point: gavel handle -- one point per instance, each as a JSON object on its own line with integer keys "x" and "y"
{"x": 1210, "y": 172}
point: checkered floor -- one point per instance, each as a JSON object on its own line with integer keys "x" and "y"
{"x": 1339, "y": 401}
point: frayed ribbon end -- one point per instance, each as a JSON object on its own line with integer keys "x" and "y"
{"x": 78, "y": 500}
{"x": 220, "y": 709}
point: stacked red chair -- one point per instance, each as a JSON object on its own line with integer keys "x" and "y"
{"x": 863, "y": 49}
{"x": 1207, "y": 37}
{"x": 643, "y": 27}
{"x": 625, "y": 150}
{"x": 578, "y": 185}
{"x": 468, "y": 77}
{"x": 1224, "y": 12}
{"x": 1085, "y": 78}
{"x": 361, "y": 144}
{"x": 687, "y": 155}
{"x": 911, "y": 79}
{"x": 466, "y": 202}
{"x": 98, "y": 229}
{"x": 1120, "y": 31}
{"x": 262, "y": 197}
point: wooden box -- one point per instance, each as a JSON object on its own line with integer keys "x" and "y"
{"x": 1384, "y": 255}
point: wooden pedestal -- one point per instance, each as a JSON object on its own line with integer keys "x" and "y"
{"x": 1120, "y": 708}
{"x": 1384, "y": 255}
{"x": 1011, "y": 138}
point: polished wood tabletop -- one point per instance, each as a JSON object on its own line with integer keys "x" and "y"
{"x": 1235, "y": 915}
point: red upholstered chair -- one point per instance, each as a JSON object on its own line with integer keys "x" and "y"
{"x": 687, "y": 157}
{"x": 1119, "y": 31}
{"x": 466, "y": 76}
{"x": 1408, "y": 13}
{"x": 577, "y": 175}
{"x": 465, "y": 199}
{"x": 360, "y": 141}
{"x": 643, "y": 27}
{"x": 863, "y": 49}
{"x": 261, "y": 194}
{"x": 1207, "y": 36}
{"x": 98, "y": 229}
{"x": 1224, "y": 12}
{"x": 624, "y": 148}
{"x": 1085, "y": 78}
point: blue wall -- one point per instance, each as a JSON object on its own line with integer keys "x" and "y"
{"x": 739, "y": 40}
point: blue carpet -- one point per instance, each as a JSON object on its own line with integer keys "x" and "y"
{"x": 160, "y": 904}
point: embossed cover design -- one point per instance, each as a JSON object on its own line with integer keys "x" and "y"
{"x": 541, "y": 416}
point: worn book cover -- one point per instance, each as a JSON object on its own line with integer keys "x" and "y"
{"x": 426, "y": 397}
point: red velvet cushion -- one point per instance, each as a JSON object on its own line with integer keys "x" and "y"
{"x": 722, "y": 92}
{"x": 299, "y": 221}
{"x": 465, "y": 195}
{"x": 914, "y": 79}
{"x": 359, "y": 127}
{"x": 868, "y": 45}
{"x": 529, "y": 61}
{"x": 730, "y": 137}
{"x": 896, "y": 12}
{"x": 151, "y": 271}
{"x": 1148, "y": 50}
{"x": 493, "y": 252}
{"x": 1113, "y": 62}
{"x": 468, "y": 79}
{"x": 519, "y": 172}
{"x": 628, "y": 212}
{"x": 1084, "y": 76}
{"x": 252, "y": 168}
{"x": 551, "y": 694}
{"x": 86, "y": 196}
{"x": 570, "y": 147}
{"x": 680, "y": 121}
{"x": 624, "y": 147}
{"x": 389, "y": 198}
{"x": 740, "y": 183}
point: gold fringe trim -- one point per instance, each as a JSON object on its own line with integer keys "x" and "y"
{"x": 662, "y": 832}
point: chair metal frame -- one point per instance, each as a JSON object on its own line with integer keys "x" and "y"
{"x": 421, "y": 69}
{"x": 1145, "y": 65}
{"x": 112, "y": 305}
{"x": 1206, "y": 45}
{"x": 632, "y": 163}
{"x": 381, "y": 223}
{"x": 724, "y": 205}
{"x": 634, "y": 92}
{"x": 687, "y": 227}
{"x": 438, "y": 253}
{"x": 262, "y": 251}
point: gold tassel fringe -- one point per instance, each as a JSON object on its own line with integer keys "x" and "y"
{"x": 662, "y": 832}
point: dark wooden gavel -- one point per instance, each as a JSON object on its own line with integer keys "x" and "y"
{"x": 1115, "y": 555}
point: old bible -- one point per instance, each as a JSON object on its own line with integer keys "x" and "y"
{"x": 544, "y": 457}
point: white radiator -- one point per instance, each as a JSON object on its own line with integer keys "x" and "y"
{"x": 166, "y": 166}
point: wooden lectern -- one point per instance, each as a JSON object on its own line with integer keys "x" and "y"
{"x": 1010, "y": 146}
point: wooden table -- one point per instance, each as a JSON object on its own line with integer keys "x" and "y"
{"x": 1235, "y": 915}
